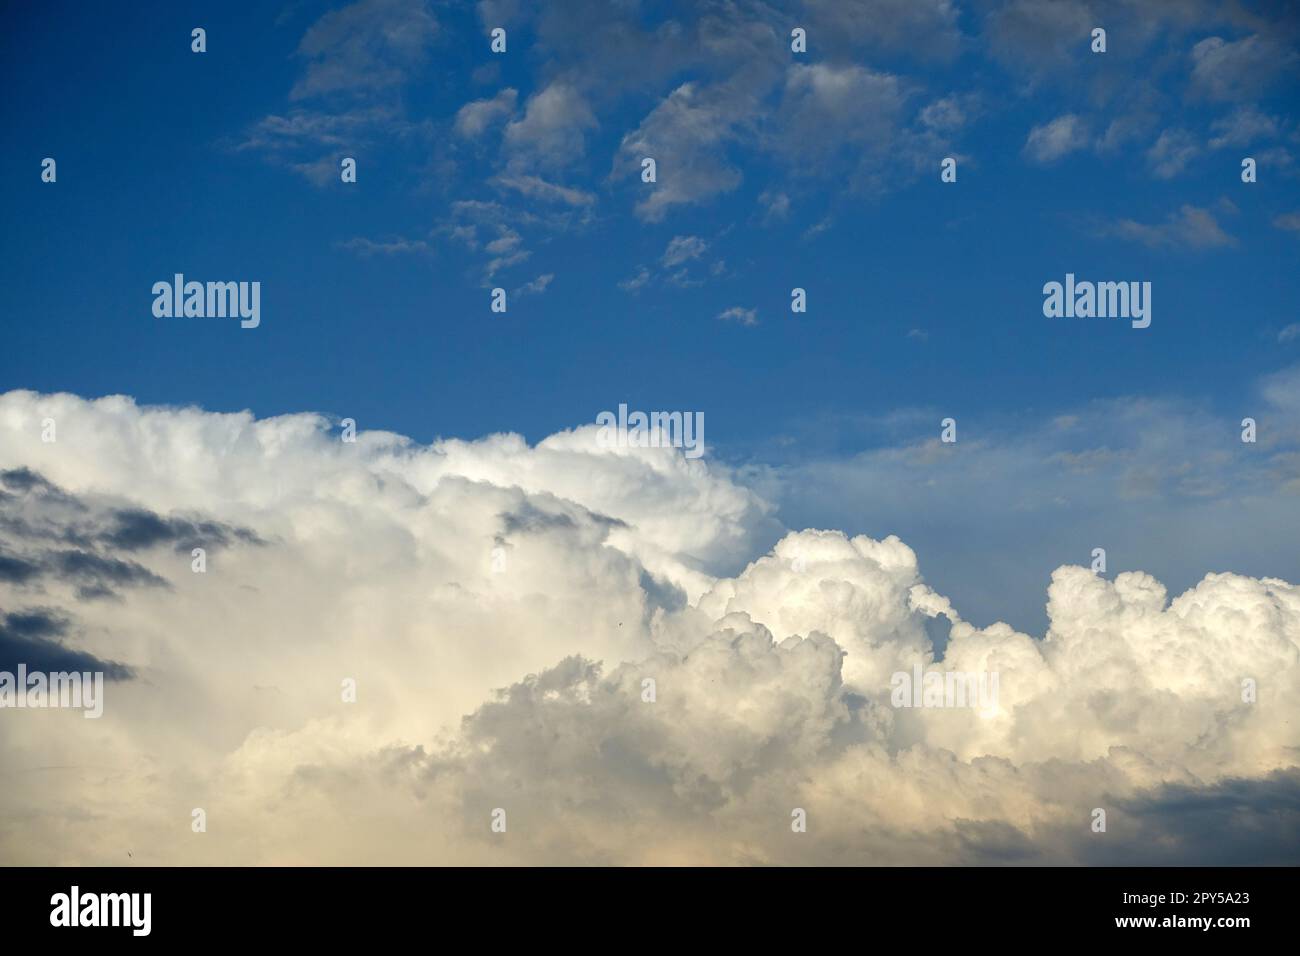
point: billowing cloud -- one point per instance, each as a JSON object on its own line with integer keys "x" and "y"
{"x": 595, "y": 640}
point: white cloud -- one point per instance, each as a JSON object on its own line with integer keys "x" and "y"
{"x": 1290, "y": 221}
{"x": 1191, "y": 227}
{"x": 1243, "y": 127}
{"x": 776, "y": 205}
{"x": 686, "y": 135}
{"x": 636, "y": 282}
{"x": 772, "y": 683}
{"x": 917, "y": 27}
{"x": 387, "y": 247}
{"x": 365, "y": 46}
{"x": 1239, "y": 69}
{"x": 739, "y": 314}
{"x": 537, "y": 188}
{"x": 1171, "y": 153}
{"x": 473, "y": 119}
{"x": 1062, "y": 136}
{"x": 682, "y": 249}
{"x": 537, "y": 286}
{"x": 550, "y": 134}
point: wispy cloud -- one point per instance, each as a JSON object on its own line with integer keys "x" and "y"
{"x": 739, "y": 315}
{"x": 1191, "y": 227}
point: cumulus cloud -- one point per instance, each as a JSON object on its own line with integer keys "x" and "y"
{"x": 551, "y": 133}
{"x": 1062, "y": 136}
{"x": 473, "y": 119}
{"x": 686, "y": 135}
{"x": 502, "y": 606}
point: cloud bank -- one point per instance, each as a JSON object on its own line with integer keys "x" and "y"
{"x": 501, "y": 609}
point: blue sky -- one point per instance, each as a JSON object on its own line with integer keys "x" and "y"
{"x": 776, "y": 170}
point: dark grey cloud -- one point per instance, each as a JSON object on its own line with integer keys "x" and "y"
{"x": 25, "y": 481}
{"x": 1235, "y": 822}
{"x": 35, "y": 637}
{"x": 135, "y": 529}
{"x": 49, "y": 533}
{"x": 95, "y": 575}
{"x": 530, "y": 519}
{"x": 16, "y": 570}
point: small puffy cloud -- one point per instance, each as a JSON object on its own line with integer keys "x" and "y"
{"x": 682, "y": 249}
{"x": 686, "y": 135}
{"x": 817, "y": 228}
{"x": 1062, "y": 136}
{"x": 551, "y": 133}
{"x": 365, "y": 46}
{"x": 1245, "y": 126}
{"x": 843, "y": 103}
{"x": 1037, "y": 35}
{"x": 740, "y": 315}
{"x": 537, "y": 286}
{"x": 1171, "y": 152}
{"x": 473, "y": 119}
{"x": 947, "y": 114}
{"x": 843, "y": 120}
{"x": 505, "y": 250}
{"x": 776, "y": 205}
{"x": 1240, "y": 69}
{"x": 636, "y": 282}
